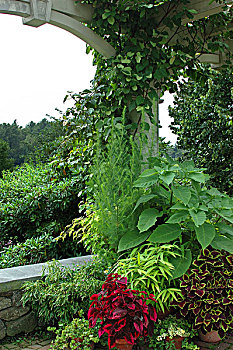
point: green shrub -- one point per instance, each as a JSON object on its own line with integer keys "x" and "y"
{"x": 32, "y": 203}
{"x": 32, "y": 251}
{"x": 63, "y": 292}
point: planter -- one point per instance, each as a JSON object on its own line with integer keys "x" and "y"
{"x": 122, "y": 344}
{"x": 177, "y": 341}
{"x": 209, "y": 337}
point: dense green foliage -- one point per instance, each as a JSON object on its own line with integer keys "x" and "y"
{"x": 5, "y": 161}
{"x": 32, "y": 203}
{"x": 177, "y": 206}
{"x": 60, "y": 295}
{"x": 32, "y": 251}
{"x": 203, "y": 121}
{"x": 149, "y": 55}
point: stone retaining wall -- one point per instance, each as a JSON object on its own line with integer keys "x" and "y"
{"x": 14, "y": 318}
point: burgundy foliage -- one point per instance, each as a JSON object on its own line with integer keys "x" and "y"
{"x": 207, "y": 291}
{"x": 125, "y": 313}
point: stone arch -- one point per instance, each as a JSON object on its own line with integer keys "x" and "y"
{"x": 60, "y": 13}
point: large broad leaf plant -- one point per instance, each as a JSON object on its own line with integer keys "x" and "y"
{"x": 177, "y": 205}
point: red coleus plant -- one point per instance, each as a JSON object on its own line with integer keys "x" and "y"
{"x": 125, "y": 313}
{"x": 207, "y": 291}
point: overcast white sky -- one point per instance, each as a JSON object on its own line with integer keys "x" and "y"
{"x": 38, "y": 66}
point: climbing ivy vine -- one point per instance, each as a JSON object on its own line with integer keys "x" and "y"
{"x": 156, "y": 42}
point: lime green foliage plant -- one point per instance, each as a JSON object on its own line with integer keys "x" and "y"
{"x": 75, "y": 334}
{"x": 171, "y": 328}
{"x": 62, "y": 292}
{"x": 112, "y": 195}
{"x": 148, "y": 268}
{"x": 178, "y": 206}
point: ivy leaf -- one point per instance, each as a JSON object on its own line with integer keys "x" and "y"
{"x": 181, "y": 264}
{"x": 131, "y": 240}
{"x": 144, "y": 199}
{"x": 165, "y": 233}
{"x": 132, "y": 106}
{"x": 178, "y": 217}
{"x": 205, "y": 234}
{"x": 140, "y": 100}
{"x": 198, "y": 217}
{"x": 125, "y": 60}
{"x": 182, "y": 193}
{"x": 148, "y": 218}
{"x": 224, "y": 243}
{"x": 111, "y": 20}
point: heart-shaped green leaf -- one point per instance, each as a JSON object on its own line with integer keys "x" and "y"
{"x": 147, "y": 219}
{"x": 165, "y": 233}
{"x": 205, "y": 234}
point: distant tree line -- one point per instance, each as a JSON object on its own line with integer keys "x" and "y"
{"x": 30, "y": 143}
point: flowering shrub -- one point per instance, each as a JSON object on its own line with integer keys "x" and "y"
{"x": 124, "y": 313}
{"x": 207, "y": 291}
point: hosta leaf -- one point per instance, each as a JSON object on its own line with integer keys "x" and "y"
{"x": 167, "y": 177}
{"x": 178, "y": 206}
{"x": 214, "y": 192}
{"x": 178, "y": 217}
{"x": 226, "y": 214}
{"x": 146, "y": 181}
{"x": 181, "y": 264}
{"x": 148, "y": 218}
{"x": 182, "y": 193}
{"x": 199, "y": 177}
{"x": 223, "y": 228}
{"x": 165, "y": 233}
{"x": 144, "y": 199}
{"x": 198, "y": 217}
{"x": 224, "y": 243}
{"x": 227, "y": 203}
{"x": 132, "y": 239}
{"x": 205, "y": 234}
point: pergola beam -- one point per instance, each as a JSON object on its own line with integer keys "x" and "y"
{"x": 70, "y": 16}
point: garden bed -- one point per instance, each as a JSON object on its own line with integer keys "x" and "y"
{"x": 14, "y": 318}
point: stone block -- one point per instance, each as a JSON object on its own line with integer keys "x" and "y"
{"x": 13, "y": 313}
{"x": 4, "y": 303}
{"x": 16, "y": 298}
{"x": 2, "y": 330}
{"x": 24, "y": 324}
{"x": 6, "y": 294}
